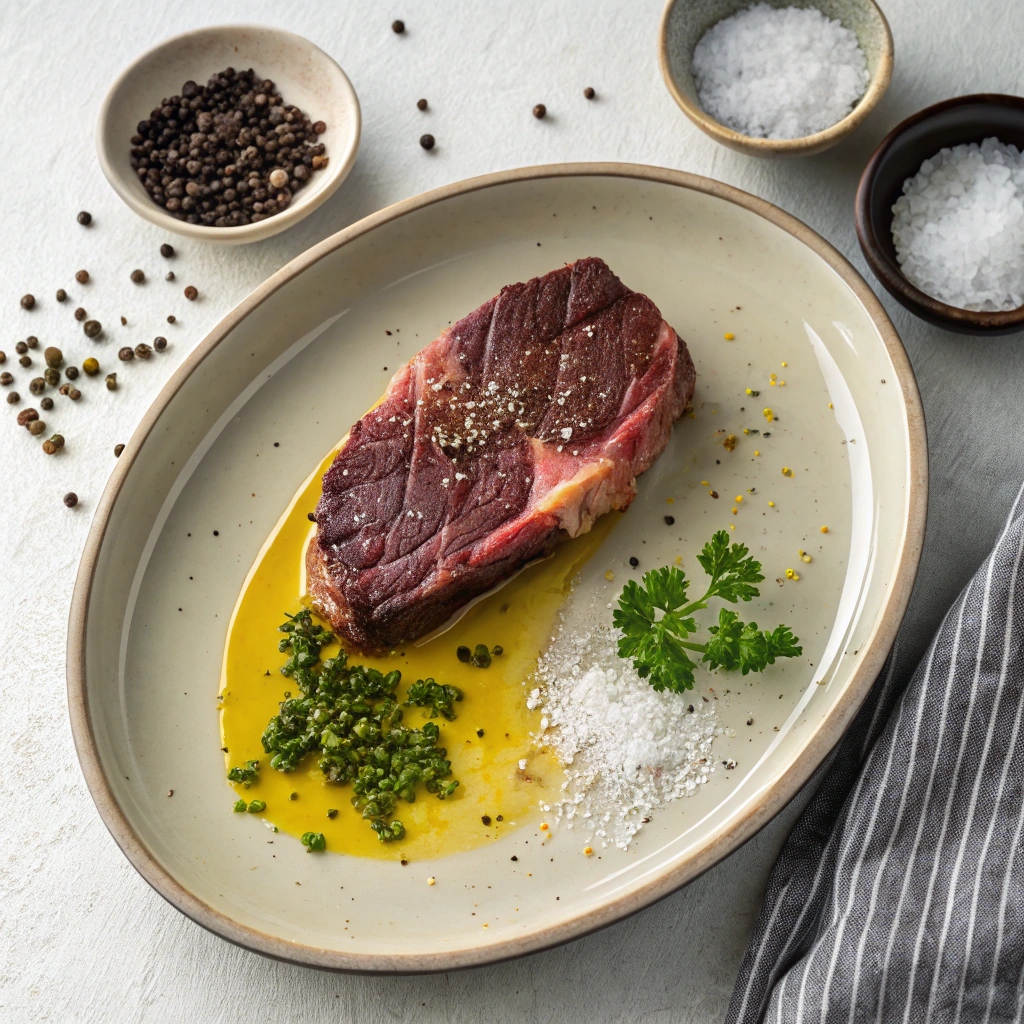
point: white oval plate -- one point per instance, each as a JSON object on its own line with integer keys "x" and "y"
{"x": 280, "y": 380}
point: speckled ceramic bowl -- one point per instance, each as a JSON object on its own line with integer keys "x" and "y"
{"x": 304, "y": 75}
{"x": 684, "y": 22}
{"x": 259, "y": 402}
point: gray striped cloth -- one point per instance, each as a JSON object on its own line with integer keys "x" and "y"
{"x": 899, "y": 896}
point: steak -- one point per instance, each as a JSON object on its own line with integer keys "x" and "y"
{"x": 513, "y": 430}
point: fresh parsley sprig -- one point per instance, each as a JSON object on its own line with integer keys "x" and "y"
{"x": 656, "y": 621}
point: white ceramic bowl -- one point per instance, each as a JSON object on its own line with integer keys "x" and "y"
{"x": 304, "y": 75}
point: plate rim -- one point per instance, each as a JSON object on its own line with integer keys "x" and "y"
{"x": 734, "y": 833}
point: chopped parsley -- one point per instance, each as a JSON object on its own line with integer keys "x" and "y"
{"x": 656, "y": 621}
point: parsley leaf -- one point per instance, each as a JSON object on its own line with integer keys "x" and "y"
{"x": 655, "y": 621}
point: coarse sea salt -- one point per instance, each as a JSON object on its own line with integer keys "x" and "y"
{"x": 958, "y": 228}
{"x": 779, "y": 73}
{"x": 626, "y": 748}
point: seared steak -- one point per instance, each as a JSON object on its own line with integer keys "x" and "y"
{"x": 513, "y": 430}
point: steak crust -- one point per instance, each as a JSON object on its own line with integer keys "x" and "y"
{"x": 513, "y": 430}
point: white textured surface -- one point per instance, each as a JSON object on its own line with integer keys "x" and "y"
{"x": 83, "y": 938}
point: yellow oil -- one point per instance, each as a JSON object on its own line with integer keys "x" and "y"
{"x": 486, "y": 742}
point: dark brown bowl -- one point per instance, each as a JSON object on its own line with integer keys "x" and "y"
{"x": 900, "y": 155}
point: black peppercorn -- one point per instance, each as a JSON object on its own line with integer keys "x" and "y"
{"x": 80, "y": 314}
{"x": 28, "y": 301}
{"x": 421, "y": 104}
{"x": 46, "y": 403}
{"x": 669, "y": 520}
{"x": 51, "y": 376}
{"x": 71, "y": 499}
{"x": 21, "y": 347}
{"x": 61, "y": 295}
{"x": 169, "y": 276}
{"x": 589, "y": 93}
{"x": 191, "y": 293}
{"x": 172, "y": 319}
{"x": 13, "y": 398}
{"x": 143, "y": 351}
{"x": 124, "y": 321}
{"x": 85, "y": 218}
{"x": 463, "y": 653}
{"x": 111, "y": 380}
{"x": 25, "y": 361}
{"x": 138, "y": 276}
{"x": 6, "y": 378}
{"x": 159, "y": 344}
{"x": 118, "y": 448}
{"x": 634, "y": 561}
{"x": 71, "y": 373}
{"x": 82, "y": 276}
{"x": 167, "y": 251}
{"x": 74, "y": 394}
{"x": 32, "y": 341}
{"x": 540, "y": 111}
{"x": 92, "y": 328}
{"x": 398, "y": 26}
{"x": 427, "y": 141}
{"x": 3, "y": 357}
{"x": 311, "y": 516}
{"x": 126, "y": 354}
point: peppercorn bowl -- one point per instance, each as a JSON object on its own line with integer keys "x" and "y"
{"x": 684, "y": 24}
{"x": 296, "y": 74}
{"x": 954, "y": 122}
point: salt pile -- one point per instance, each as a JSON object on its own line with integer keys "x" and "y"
{"x": 958, "y": 227}
{"x": 627, "y": 749}
{"x": 779, "y": 73}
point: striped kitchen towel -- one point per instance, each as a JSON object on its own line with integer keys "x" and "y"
{"x": 899, "y": 896}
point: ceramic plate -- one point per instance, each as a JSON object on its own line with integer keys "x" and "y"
{"x": 251, "y": 413}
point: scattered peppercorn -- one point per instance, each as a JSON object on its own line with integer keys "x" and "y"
{"x": 62, "y": 295}
{"x": 463, "y": 653}
{"x": 485, "y": 818}
{"x": 13, "y": 398}
{"x": 498, "y": 651}
{"x": 32, "y": 341}
{"x": 427, "y": 141}
{"x": 6, "y": 378}
{"x": 143, "y": 351}
{"x": 311, "y": 516}
{"x": 53, "y": 356}
{"x": 126, "y": 354}
{"x": 540, "y": 111}
{"x": 80, "y": 313}
{"x": 51, "y": 375}
{"x": 332, "y": 812}
{"x": 46, "y": 403}
{"x": 398, "y": 26}
{"x": 74, "y": 394}
{"x": 3, "y": 357}
{"x": 169, "y": 276}
{"x": 92, "y": 328}
{"x": 421, "y": 104}
{"x": 26, "y": 416}
{"x": 71, "y": 373}
{"x": 54, "y": 444}
{"x": 85, "y": 218}
{"x": 191, "y": 293}
{"x": 634, "y": 561}
{"x": 171, "y": 319}
{"x": 167, "y": 251}
{"x": 206, "y": 154}
{"x": 28, "y": 301}
{"x": 91, "y": 367}
{"x": 670, "y": 520}
{"x": 25, "y": 361}
{"x": 82, "y": 276}
{"x": 118, "y": 448}
{"x": 21, "y": 347}
{"x": 71, "y": 499}
{"x": 159, "y": 344}
{"x": 589, "y": 93}
{"x": 124, "y": 321}
{"x": 111, "y": 380}
{"x": 481, "y": 656}
{"x": 63, "y": 389}
{"x": 36, "y": 427}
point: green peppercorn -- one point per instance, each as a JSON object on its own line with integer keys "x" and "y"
{"x": 256, "y": 806}
{"x": 111, "y": 381}
{"x": 332, "y": 812}
{"x": 51, "y": 376}
{"x": 37, "y": 385}
{"x": 498, "y": 651}
{"x": 71, "y": 372}
{"x": 92, "y": 328}
{"x": 53, "y": 356}
{"x": 481, "y": 656}
{"x": 91, "y": 366}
